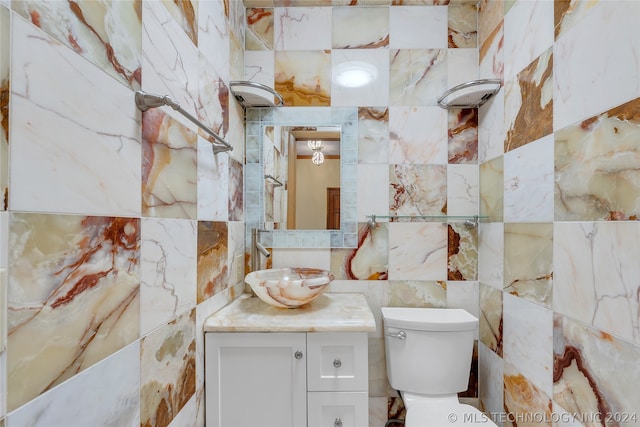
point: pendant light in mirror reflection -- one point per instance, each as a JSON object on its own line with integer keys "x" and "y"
{"x": 317, "y": 157}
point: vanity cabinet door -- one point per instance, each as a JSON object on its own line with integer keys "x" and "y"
{"x": 255, "y": 379}
{"x": 337, "y": 361}
{"x": 338, "y": 409}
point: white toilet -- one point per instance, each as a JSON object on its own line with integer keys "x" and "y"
{"x": 429, "y": 353}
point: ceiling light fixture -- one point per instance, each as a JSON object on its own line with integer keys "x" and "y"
{"x": 317, "y": 157}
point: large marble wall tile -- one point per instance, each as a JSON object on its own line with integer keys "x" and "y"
{"x": 213, "y": 176}
{"x": 462, "y": 66}
{"x": 373, "y": 135}
{"x": 491, "y": 254}
{"x": 169, "y": 59}
{"x": 213, "y": 101}
{"x": 462, "y": 261}
{"x": 68, "y": 155}
{"x": 528, "y": 340}
{"x": 491, "y": 128}
{"x": 490, "y": 328}
{"x": 417, "y": 293}
{"x": 529, "y": 182}
{"x": 490, "y": 16}
{"x": 568, "y": 12}
{"x": 303, "y": 78}
{"x": 5, "y": 74}
{"x": 236, "y": 184}
{"x": 418, "y": 135}
{"x": 462, "y": 190}
{"x": 490, "y": 380}
{"x": 595, "y": 375}
{"x": 463, "y": 136}
{"x": 167, "y": 370}
{"x": 167, "y": 269}
{"x": 529, "y": 103}
{"x": 375, "y": 92}
{"x": 417, "y": 251}
{"x": 259, "y": 66}
{"x": 73, "y": 297}
{"x": 235, "y": 244}
{"x": 528, "y": 32}
{"x": 465, "y": 295}
{"x": 528, "y": 261}
{"x": 372, "y": 201}
{"x": 417, "y": 76}
{"x": 302, "y": 28}
{"x": 107, "y": 394}
{"x": 525, "y": 404}
{"x": 491, "y": 189}
{"x": 185, "y": 13}
{"x": 463, "y": 25}
{"x": 259, "y": 29}
{"x": 360, "y": 28}
{"x": 585, "y": 83}
{"x": 105, "y": 33}
{"x": 169, "y": 177}
{"x": 213, "y": 36}
{"x": 595, "y": 275}
{"x": 418, "y": 27}
{"x": 596, "y": 174}
{"x": 213, "y": 270}
{"x": 370, "y": 260}
{"x": 418, "y": 190}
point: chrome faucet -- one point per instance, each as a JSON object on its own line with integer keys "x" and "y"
{"x": 256, "y": 248}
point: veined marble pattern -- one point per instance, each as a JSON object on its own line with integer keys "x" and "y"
{"x": 463, "y": 25}
{"x": 528, "y": 261}
{"x": 168, "y": 270}
{"x": 73, "y": 297}
{"x": 417, "y": 293}
{"x": 169, "y": 178}
{"x": 417, "y": 135}
{"x": 213, "y": 176}
{"x": 259, "y": 31}
{"x": 463, "y": 136}
{"x": 491, "y": 254}
{"x": 528, "y": 182}
{"x": 463, "y": 66}
{"x": 596, "y": 175}
{"x": 595, "y": 275}
{"x": 491, "y": 54}
{"x": 418, "y": 27}
{"x": 417, "y": 76}
{"x": 585, "y": 83}
{"x": 213, "y": 36}
{"x": 528, "y": 33}
{"x": 528, "y": 341}
{"x": 375, "y": 92}
{"x": 529, "y": 103}
{"x": 100, "y": 147}
{"x": 107, "y": 394}
{"x": 373, "y": 134}
{"x": 236, "y": 203}
{"x": 302, "y": 28}
{"x": 490, "y": 328}
{"x": 417, "y": 190}
{"x": 303, "y": 78}
{"x": 170, "y": 59}
{"x": 462, "y": 190}
{"x": 525, "y": 404}
{"x": 259, "y": 66}
{"x": 568, "y": 12}
{"x": 168, "y": 370}
{"x": 490, "y": 379}
{"x": 417, "y": 251}
{"x": 103, "y": 32}
{"x": 213, "y": 272}
{"x": 490, "y": 16}
{"x": 463, "y": 253}
{"x": 595, "y": 373}
{"x": 5, "y": 70}
{"x": 370, "y": 260}
{"x": 465, "y": 295}
{"x": 185, "y": 14}
{"x": 360, "y": 28}
{"x": 213, "y": 101}
{"x": 491, "y": 129}
{"x": 491, "y": 191}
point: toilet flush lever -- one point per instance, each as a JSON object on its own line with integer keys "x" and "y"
{"x": 401, "y": 335}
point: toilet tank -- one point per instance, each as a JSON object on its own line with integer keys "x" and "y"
{"x": 428, "y": 350}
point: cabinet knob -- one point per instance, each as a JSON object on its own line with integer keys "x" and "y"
{"x": 337, "y": 363}
{"x": 298, "y": 354}
{"x": 337, "y": 423}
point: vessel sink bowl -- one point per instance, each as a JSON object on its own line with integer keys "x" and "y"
{"x": 289, "y": 287}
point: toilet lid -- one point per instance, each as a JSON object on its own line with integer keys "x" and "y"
{"x": 447, "y": 415}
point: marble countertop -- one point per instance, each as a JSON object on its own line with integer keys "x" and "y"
{"x": 330, "y": 312}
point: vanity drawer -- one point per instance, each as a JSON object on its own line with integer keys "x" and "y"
{"x": 338, "y": 409}
{"x": 337, "y": 361}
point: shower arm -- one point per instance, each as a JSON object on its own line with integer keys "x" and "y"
{"x": 145, "y": 101}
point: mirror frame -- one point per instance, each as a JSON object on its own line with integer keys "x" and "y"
{"x": 256, "y": 119}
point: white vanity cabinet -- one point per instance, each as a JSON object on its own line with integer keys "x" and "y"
{"x": 268, "y": 367}
{"x": 291, "y": 379}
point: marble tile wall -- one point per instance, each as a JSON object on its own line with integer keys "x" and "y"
{"x": 119, "y": 230}
{"x": 557, "y": 260}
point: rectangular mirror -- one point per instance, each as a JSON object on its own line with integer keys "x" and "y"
{"x": 301, "y": 176}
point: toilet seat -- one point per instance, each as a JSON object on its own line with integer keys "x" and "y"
{"x": 441, "y": 412}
